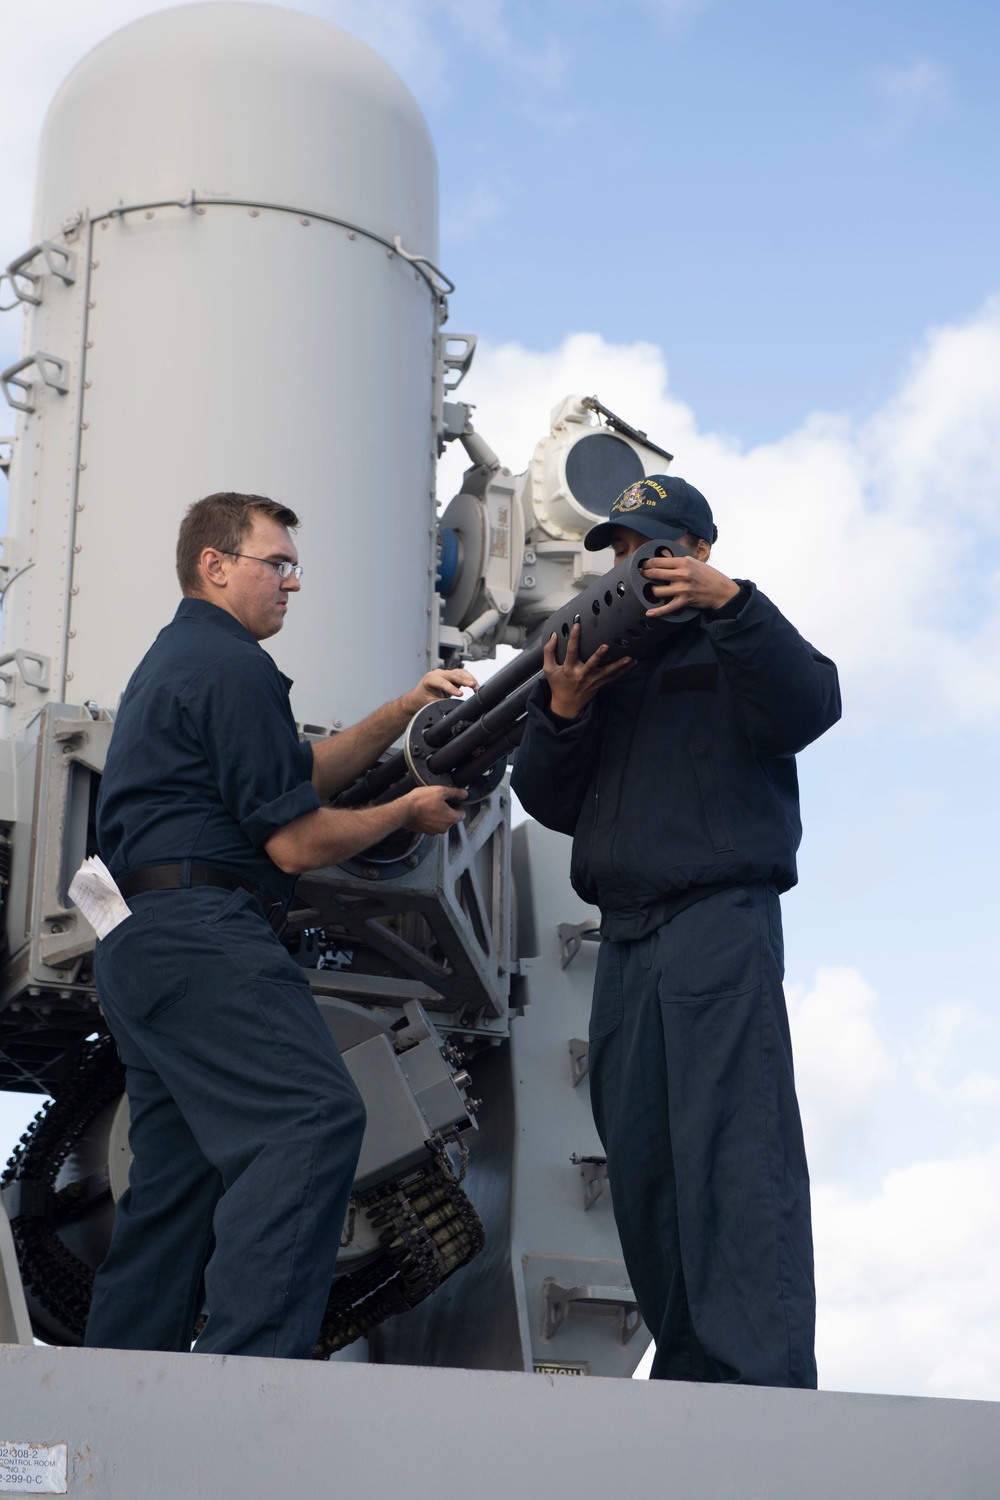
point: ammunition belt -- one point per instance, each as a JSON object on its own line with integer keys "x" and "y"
{"x": 426, "y": 1225}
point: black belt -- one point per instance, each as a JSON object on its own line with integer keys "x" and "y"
{"x": 184, "y": 876}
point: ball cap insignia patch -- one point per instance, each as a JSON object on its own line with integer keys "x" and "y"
{"x": 630, "y": 499}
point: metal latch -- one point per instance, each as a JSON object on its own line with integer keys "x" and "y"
{"x": 53, "y": 370}
{"x": 571, "y": 935}
{"x": 559, "y": 1301}
{"x": 594, "y": 1171}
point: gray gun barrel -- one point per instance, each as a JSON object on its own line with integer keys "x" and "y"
{"x": 479, "y": 734}
{"x": 498, "y": 747}
{"x": 461, "y": 740}
{"x": 611, "y": 612}
{"x": 491, "y": 694}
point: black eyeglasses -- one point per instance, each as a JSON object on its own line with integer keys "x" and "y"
{"x": 285, "y": 569}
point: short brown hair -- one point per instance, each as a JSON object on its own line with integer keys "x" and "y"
{"x": 224, "y": 521}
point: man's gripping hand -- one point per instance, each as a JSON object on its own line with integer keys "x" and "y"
{"x": 431, "y": 809}
{"x": 572, "y": 685}
{"x": 440, "y": 683}
{"x": 686, "y": 583}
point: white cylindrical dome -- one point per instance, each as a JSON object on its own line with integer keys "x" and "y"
{"x": 245, "y": 101}
{"x": 268, "y": 341}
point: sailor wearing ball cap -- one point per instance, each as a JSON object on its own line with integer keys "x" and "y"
{"x": 659, "y": 505}
{"x": 675, "y": 775}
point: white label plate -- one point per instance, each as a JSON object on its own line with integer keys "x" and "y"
{"x": 32, "y": 1468}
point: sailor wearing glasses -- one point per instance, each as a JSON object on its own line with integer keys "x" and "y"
{"x": 245, "y": 1124}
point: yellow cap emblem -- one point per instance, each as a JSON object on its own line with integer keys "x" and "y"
{"x": 630, "y": 499}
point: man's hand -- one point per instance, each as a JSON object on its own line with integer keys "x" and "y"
{"x": 573, "y": 684}
{"x": 329, "y": 835}
{"x": 430, "y": 809}
{"x": 435, "y": 685}
{"x": 686, "y": 583}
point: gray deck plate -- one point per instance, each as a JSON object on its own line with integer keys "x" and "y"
{"x": 173, "y": 1426}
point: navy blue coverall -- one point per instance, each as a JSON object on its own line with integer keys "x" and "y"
{"x": 245, "y": 1125}
{"x": 679, "y": 787}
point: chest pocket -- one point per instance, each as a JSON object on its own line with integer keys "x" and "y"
{"x": 711, "y": 796}
{"x": 698, "y": 677}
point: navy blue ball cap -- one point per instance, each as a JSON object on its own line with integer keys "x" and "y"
{"x": 659, "y": 505}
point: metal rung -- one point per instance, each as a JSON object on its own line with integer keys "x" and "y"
{"x": 579, "y": 1059}
{"x": 53, "y": 370}
{"x": 559, "y": 1301}
{"x": 571, "y": 935}
{"x": 594, "y": 1171}
{"x": 27, "y": 285}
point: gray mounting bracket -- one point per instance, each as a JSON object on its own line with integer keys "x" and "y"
{"x": 594, "y": 1171}
{"x": 579, "y": 1059}
{"x": 455, "y": 362}
{"x": 559, "y": 1301}
{"x": 57, "y": 377}
{"x": 455, "y": 418}
{"x": 6, "y": 455}
{"x": 571, "y": 935}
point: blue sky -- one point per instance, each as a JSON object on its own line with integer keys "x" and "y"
{"x": 780, "y": 196}
{"x": 767, "y": 233}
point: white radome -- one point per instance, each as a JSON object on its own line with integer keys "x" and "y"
{"x": 246, "y": 344}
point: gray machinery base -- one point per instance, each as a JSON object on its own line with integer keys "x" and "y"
{"x": 163, "y": 1426}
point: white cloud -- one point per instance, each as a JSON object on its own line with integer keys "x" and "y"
{"x": 953, "y": 1034}
{"x": 840, "y": 1064}
{"x": 911, "y": 91}
{"x": 672, "y": 10}
{"x": 908, "y": 1282}
{"x": 669, "y": 13}
{"x": 464, "y": 218}
{"x": 878, "y": 540}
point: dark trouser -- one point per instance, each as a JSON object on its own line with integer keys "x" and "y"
{"x": 694, "y": 1098}
{"x": 245, "y": 1129}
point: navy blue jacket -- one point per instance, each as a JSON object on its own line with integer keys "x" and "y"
{"x": 682, "y": 775}
{"x": 205, "y": 762}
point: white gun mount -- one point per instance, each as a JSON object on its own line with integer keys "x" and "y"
{"x": 512, "y": 545}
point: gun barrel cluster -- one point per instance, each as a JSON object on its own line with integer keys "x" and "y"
{"x": 458, "y": 746}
